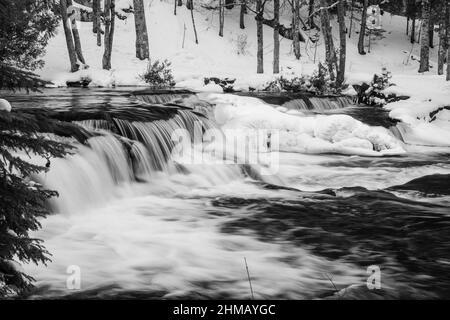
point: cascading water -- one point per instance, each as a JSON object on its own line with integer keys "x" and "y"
{"x": 139, "y": 220}
{"x": 162, "y": 97}
{"x": 318, "y": 104}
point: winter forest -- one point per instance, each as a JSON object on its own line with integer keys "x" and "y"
{"x": 224, "y": 149}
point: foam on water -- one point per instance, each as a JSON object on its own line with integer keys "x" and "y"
{"x": 135, "y": 216}
{"x": 171, "y": 243}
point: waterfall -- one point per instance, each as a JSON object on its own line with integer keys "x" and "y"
{"x": 89, "y": 177}
{"x": 319, "y": 104}
{"x": 129, "y": 147}
{"x": 124, "y": 152}
{"x": 162, "y": 96}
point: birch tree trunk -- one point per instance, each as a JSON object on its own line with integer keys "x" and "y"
{"x": 276, "y": 37}
{"x": 296, "y": 26}
{"x": 259, "y": 36}
{"x": 425, "y": 38}
{"x": 142, "y": 46}
{"x": 109, "y": 32}
{"x": 343, "y": 43}
{"x": 68, "y": 36}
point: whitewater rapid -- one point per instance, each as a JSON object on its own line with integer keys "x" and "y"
{"x": 160, "y": 226}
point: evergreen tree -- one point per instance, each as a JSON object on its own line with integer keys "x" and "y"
{"x": 23, "y": 201}
{"x": 26, "y": 26}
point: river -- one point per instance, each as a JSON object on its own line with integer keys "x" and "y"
{"x": 141, "y": 223}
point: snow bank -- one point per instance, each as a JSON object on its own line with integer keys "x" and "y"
{"x": 313, "y": 134}
{"x": 424, "y": 119}
{"x": 5, "y": 105}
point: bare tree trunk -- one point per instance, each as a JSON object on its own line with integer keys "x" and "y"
{"x": 109, "y": 32}
{"x": 343, "y": 43}
{"x": 425, "y": 41}
{"x": 296, "y": 27}
{"x": 193, "y": 23}
{"x": 310, "y": 14}
{"x": 69, "y": 37}
{"x": 77, "y": 40}
{"x": 447, "y": 13}
{"x": 221, "y": 17}
{"x": 362, "y": 32}
{"x": 99, "y": 23}
{"x": 276, "y": 37}
{"x": 76, "y": 37}
{"x": 407, "y": 25}
{"x": 443, "y": 46}
{"x": 413, "y": 30}
{"x": 351, "y": 19}
{"x": 259, "y": 35}
{"x": 330, "y": 52}
{"x": 175, "y": 7}
{"x": 142, "y": 46}
{"x": 94, "y": 15}
{"x": 242, "y": 14}
{"x": 431, "y": 31}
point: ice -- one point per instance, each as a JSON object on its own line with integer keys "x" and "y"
{"x": 308, "y": 134}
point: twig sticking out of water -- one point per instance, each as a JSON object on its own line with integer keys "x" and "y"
{"x": 249, "y": 281}
{"x": 331, "y": 280}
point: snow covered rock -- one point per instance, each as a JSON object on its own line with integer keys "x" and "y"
{"x": 212, "y": 87}
{"x": 5, "y": 105}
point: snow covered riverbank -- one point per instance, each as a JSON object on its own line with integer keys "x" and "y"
{"x": 424, "y": 120}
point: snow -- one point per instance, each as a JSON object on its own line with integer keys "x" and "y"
{"x": 5, "y": 105}
{"x": 81, "y": 7}
{"x": 172, "y": 37}
{"x": 340, "y": 134}
{"x": 428, "y": 94}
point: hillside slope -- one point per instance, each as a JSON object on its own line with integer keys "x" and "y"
{"x": 216, "y": 56}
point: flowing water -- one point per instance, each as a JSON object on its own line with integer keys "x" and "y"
{"x": 137, "y": 221}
